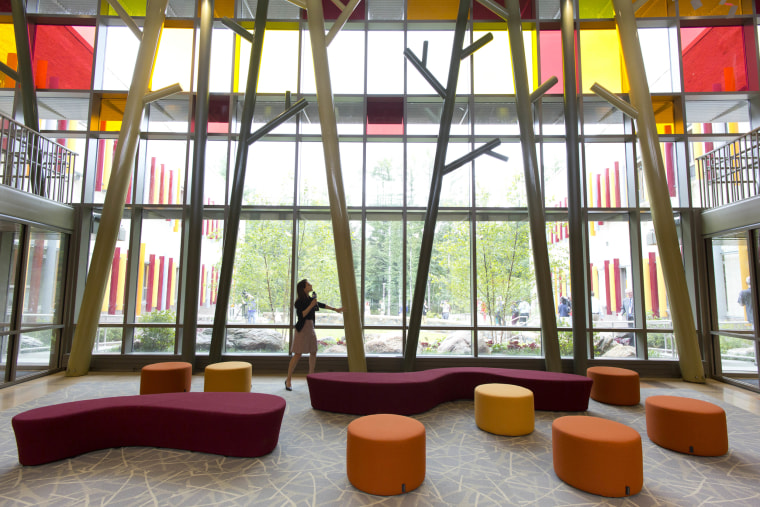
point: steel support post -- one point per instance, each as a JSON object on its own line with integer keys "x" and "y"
{"x": 338, "y": 209}
{"x": 576, "y": 215}
{"x": 431, "y": 214}
{"x": 684, "y": 329}
{"x": 118, "y": 184}
{"x": 193, "y": 220}
{"x": 232, "y": 223}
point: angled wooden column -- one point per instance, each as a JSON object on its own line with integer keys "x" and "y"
{"x": 684, "y": 329}
{"x": 338, "y": 209}
{"x": 576, "y": 215}
{"x": 118, "y": 184}
{"x": 536, "y": 216}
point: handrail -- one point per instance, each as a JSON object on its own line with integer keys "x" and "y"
{"x": 32, "y": 163}
{"x": 730, "y": 173}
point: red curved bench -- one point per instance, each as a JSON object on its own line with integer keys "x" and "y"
{"x": 230, "y": 424}
{"x": 408, "y": 393}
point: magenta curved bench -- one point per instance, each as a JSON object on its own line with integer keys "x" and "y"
{"x": 415, "y": 392}
{"x": 230, "y": 424}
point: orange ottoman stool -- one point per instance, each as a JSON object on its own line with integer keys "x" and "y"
{"x": 227, "y": 377}
{"x": 597, "y": 455}
{"x": 687, "y": 425}
{"x": 614, "y": 386}
{"x": 168, "y": 377}
{"x": 385, "y": 454}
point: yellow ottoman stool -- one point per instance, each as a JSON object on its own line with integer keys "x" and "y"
{"x": 229, "y": 376}
{"x": 614, "y": 386}
{"x": 504, "y": 409}
{"x": 385, "y": 454}
{"x": 168, "y": 377}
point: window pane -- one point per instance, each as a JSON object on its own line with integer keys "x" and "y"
{"x": 9, "y": 244}
{"x": 316, "y": 263}
{"x": 158, "y": 270}
{"x": 36, "y": 351}
{"x": 606, "y": 178}
{"x": 385, "y": 62}
{"x": 505, "y": 273}
{"x": 121, "y": 48}
{"x": 438, "y": 60}
{"x": 216, "y": 171}
{"x": 173, "y": 59}
{"x": 269, "y": 173}
{"x": 601, "y": 59}
{"x": 62, "y": 56}
{"x": 260, "y": 283}
{"x": 731, "y": 279}
{"x": 659, "y": 59}
{"x": 455, "y": 190}
{"x": 655, "y": 294}
{"x": 346, "y": 59}
{"x": 499, "y": 183}
{"x": 164, "y": 172}
{"x": 714, "y": 59}
{"x": 112, "y": 310}
{"x": 46, "y": 266}
{"x": 278, "y": 71}
{"x": 384, "y": 266}
{"x": 385, "y": 174}
{"x": 610, "y": 271}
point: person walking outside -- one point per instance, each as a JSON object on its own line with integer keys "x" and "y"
{"x": 305, "y": 338}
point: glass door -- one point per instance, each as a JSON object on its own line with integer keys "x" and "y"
{"x": 734, "y": 297}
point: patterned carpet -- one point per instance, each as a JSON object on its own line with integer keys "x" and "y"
{"x": 465, "y": 466}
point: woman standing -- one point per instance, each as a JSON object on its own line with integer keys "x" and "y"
{"x": 305, "y": 338}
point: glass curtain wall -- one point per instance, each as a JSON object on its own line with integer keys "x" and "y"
{"x": 480, "y": 293}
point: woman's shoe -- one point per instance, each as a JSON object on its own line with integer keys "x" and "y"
{"x": 287, "y": 387}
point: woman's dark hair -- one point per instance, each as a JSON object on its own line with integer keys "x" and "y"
{"x": 301, "y": 289}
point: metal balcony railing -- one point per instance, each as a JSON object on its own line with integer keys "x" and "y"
{"x": 730, "y": 173}
{"x": 35, "y": 164}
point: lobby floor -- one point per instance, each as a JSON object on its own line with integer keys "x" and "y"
{"x": 465, "y": 466}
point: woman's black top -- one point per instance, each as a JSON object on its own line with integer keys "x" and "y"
{"x": 301, "y": 305}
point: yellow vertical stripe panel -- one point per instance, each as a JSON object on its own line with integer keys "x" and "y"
{"x": 172, "y": 285}
{"x": 533, "y": 34}
{"x": 613, "y": 288}
{"x": 120, "y": 283}
{"x": 595, "y": 281}
{"x": 647, "y": 283}
{"x": 140, "y": 281}
{"x": 104, "y": 306}
{"x": 236, "y": 67}
{"x": 603, "y": 190}
{"x": 107, "y": 162}
{"x": 662, "y": 292}
{"x": 431, "y": 9}
{"x": 743, "y": 263}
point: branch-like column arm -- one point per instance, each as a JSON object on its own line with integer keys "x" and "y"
{"x": 490, "y": 145}
{"x": 238, "y": 29}
{"x": 420, "y": 66}
{"x": 11, "y": 73}
{"x": 126, "y": 18}
{"x": 278, "y": 120}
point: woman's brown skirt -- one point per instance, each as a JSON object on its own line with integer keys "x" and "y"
{"x": 305, "y": 340}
